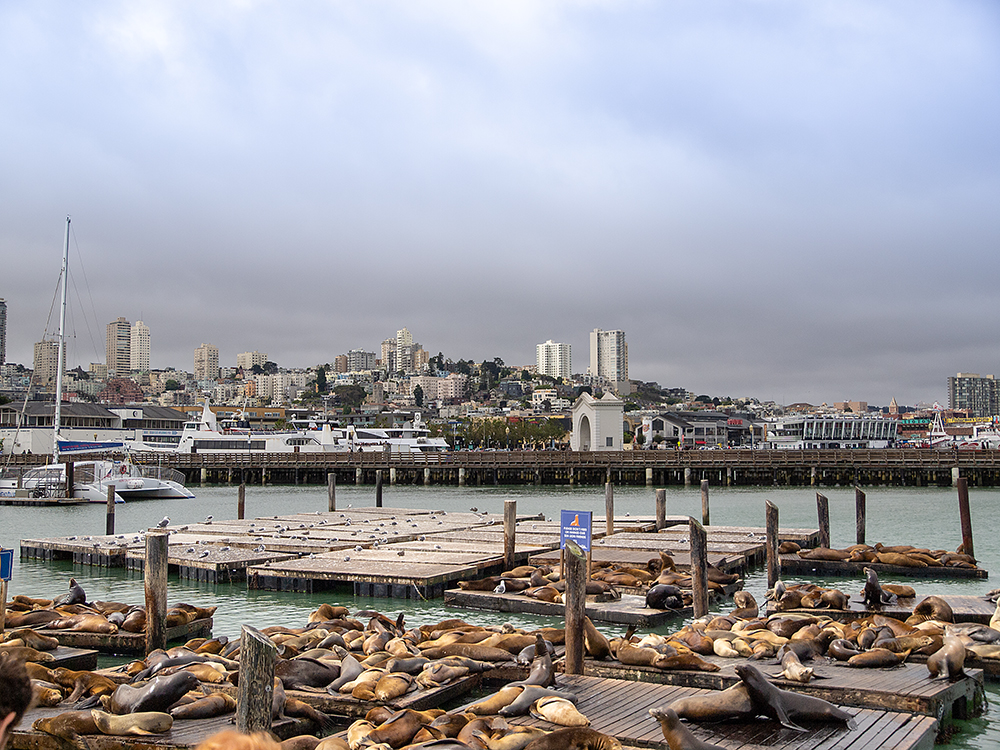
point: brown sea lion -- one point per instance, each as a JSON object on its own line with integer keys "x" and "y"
{"x": 138, "y": 723}
{"x": 900, "y": 590}
{"x": 823, "y": 553}
{"x": 948, "y": 662}
{"x": 932, "y": 608}
{"x": 85, "y": 623}
{"x": 215, "y": 704}
{"x": 83, "y": 683}
{"x": 471, "y": 650}
{"x": 38, "y": 617}
{"x": 900, "y": 560}
{"x": 392, "y": 685}
{"x": 68, "y": 725}
{"x": 300, "y": 742}
{"x": 26, "y": 653}
{"x": 787, "y": 707}
{"x": 492, "y": 704}
{"x": 31, "y": 639}
{"x": 594, "y": 641}
{"x": 788, "y": 547}
{"x": 746, "y": 606}
{"x": 45, "y": 694}
{"x": 575, "y": 738}
{"x": 733, "y": 703}
{"x": 531, "y": 693}
{"x": 877, "y": 657}
{"x": 328, "y": 612}
{"x": 481, "y": 584}
{"x": 542, "y": 671}
{"x": 158, "y": 694}
{"x": 678, "y": 736}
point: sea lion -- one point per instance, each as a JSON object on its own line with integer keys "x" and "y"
{"x": 842, "y": 649}
{"x": 527, "y": 654}
{"x": 68, "y": 725}
{"x": 786, "y": 707}
{"x": 949, "y": 660}
{"x": 301, "y": 672}
{"x": 733, "y": 703}
{"x": 746, "y": 606}
{"x": 531, "y": 693}
{"x": 75, "y": 595}
{"x": 664, "y": 596}
{"x": 139, "y": 723}
{"x": 594, "y": 641}
{"x": 358, "y": 732}
{"x": 397, "y": 730}
{"x": 392, "y": 685}
{"x": 85, "y": 623}
{"x": 159, "y": 694}
{"x": 559, "y": 711}
{"x": 542, "y": 671}
{"x": 575, "y": 738}
{"x": 492, "y": 704}
{"x": 899, "y": 559}
{"x": 877, "y": 657}
{"x": 26, "y": 653}
{"x": 677, "y": 735}
{"x": 932, "y": 608}
{"x": 46, "y": 694}
{"x": 83, "y": 683}
{"x": 823, "y": 553}
{"x": 440, "y": 673}
{"x": 300, "y": 742}
{"x": 328, "y": 612}
{"x": 295, "y": 707}
{"x": 872, "y": 594}
{"x": 792, "y": 668}
{"x": 472, "y": 650}
{"x": 31, "y": 639}
{"x": 215, "y": 704}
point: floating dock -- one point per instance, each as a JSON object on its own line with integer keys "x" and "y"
{"x": 126, "y": 644}
{"x": 800, "y": 566}
{"x": 964, "y": 608}
{"x": 629, "y": 610}
{"x": 621, "y": 708}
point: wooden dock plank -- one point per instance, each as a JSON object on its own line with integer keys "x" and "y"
{"x": 127, "y": 644}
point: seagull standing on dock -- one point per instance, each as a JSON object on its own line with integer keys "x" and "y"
{"x": 164, "y": 523}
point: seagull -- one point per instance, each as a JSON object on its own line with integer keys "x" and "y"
{"x": 225, "y": 549}
{"x": 259, "y": 549}
{"x": 209, "y": 519}
{"x": 204, "y": 554}
{"x": 501, "y": 588}
{"x": 401, "y": 553}
{"x": 164, "y": 523}
{"x": 189, "y": 550}
{"x": 422, "y": 538}
{"x": 347, "y": 558}
{"x": 358, "y": 548}
{"x": 474, "y": 509}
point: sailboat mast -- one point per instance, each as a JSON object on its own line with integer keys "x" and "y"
{"x": 57, "y": 414}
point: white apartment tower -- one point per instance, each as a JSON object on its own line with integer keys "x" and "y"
{"x": 206, "y": 362}
{"x": 404, "y": 351}
{"x": 139, "y": 347}
{"x": 554, "y": 360}
{"x": 47, "y": 365}
{"x": 118, "y": 347}
{"x": 247, "y": 360}
{"x": 609, "y": 355}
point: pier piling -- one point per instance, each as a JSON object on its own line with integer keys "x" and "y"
{"x": 509, "y": 531}
{"x": 331, "y": 491}
{"x": 771, "y": 545}
{"x": 378, "y": 488}
{"x": 699, "y": 567}
{"x": 576, "y": 601}
{"x": 823, "y": 515}
{"x": 609, "y": 507}
{"x": 241, "y": 502}
{"x": 860, "y": 513}
{"x": 965, "y": 516}
{"x": 661, "y": 509}
{"x": 705, "y": 515}
{"x": 155, "y": 575}
{"x": 109, "y": 525}
{"x": 256, "y": 688}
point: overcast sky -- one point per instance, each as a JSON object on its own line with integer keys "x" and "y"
{"x": 798, "y": 201}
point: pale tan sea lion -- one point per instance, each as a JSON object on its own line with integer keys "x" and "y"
{"x": 558, "y": 711}
{"x": 138, "y": 723}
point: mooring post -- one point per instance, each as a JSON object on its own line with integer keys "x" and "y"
{"x": 705, "y": 515}
{"x": 661, "y": 509}
{"x": 965, "y": 516}
{"x": 509, "y": 531}
{"x": 256, "y": 688}
{"x": 576, "y": 601}
{"x": 109, "y": 526}
{"x": 699, "y": 567}
{"x": 331, "y": 491}
{"x": 773, "y": 561}
{"x": 70, "y": 478}
{"x": 3, "y": 605}
{"x": 859, "y": 504}
{"x": 823, "y": 514}
{"x": 378, "y": 488}
{"x": 155, "y": 577}
{"x": 609, "y": 508}
{"x": 241, "y": 501}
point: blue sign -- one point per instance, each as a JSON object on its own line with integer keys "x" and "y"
{"x": 575, "y": 525}
{"x": 6, "y": 563}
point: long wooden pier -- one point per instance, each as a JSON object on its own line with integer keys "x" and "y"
{"x": 733, "y": 466}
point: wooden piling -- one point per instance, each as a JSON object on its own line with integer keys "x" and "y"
{"x": 705, "y": 516}
{"x": 823, "y": 515}
{"x": 241, "y": 503}
{"x": 575, "y": 606}
{"x": 331, "y": 491}
{"x": 860, "y": 511}
{"x": 965, "y": 516}
{"x": 771, "y": 545}
{"x": 699, "y": 567}
{"x": 609, "y": 507}
{"x": 256, "y": 688}
{"x": 3, "y": 605}
{"x": 509, "y": 531}
{"x": 661, "y": 509}
{"x": 155, "y": 575}
{"x": 378, "y": 488}
{"x": 109, "y": 523}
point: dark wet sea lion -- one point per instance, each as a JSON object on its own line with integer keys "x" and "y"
{"x": 784, "y": 706}
{"x": 350, "y": 668}
{"x": 664, "y": 596}
{"x": 677, "y": 735}
{"x": 932, "y": 608}
{"x": 872, "y": 594}
{"x": 75, "y": 595}
{"x": 948, "y": 662}
{"x": 158, "y": 694}
{"x": 542, "y": 672}
{"x": 531, "y": 693}
{"x": 304, "y": 672}
{"x": 575, "y": 738}
{"x": 38, "y": 617}
{"x": 216, "y": 704}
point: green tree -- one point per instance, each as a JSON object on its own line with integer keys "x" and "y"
{"x": 349, "y": 395}
{"x": 321, "y": 379}
{"x": 172, "y": 385}
{"x": 418, "y": 395}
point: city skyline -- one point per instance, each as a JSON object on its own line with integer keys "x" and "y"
{"x": 795, "y": 202}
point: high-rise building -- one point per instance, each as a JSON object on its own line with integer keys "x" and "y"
{"x": 609, "y": 355}
{"x": 389, "y": 355}
{"x": 46, "y": 365}
{"x": 358, "y": 360}
{"x": 139, "y": 347}
{"x": 119, "y": 347}
{"x": 247, "y": 360}
{"x": 404, "y": 351}
{"x": 206, "y": 362}
{"x": 3, "y": 331}
{"x": 554, "y": 360}
{"x": 977, "y": 395}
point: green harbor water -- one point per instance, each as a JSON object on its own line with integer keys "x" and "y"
{"x": 919, "y": 516}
